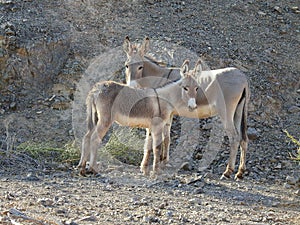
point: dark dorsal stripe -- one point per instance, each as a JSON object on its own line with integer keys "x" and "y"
{"x": 159, "y": 109}
{"x": 171, "y": 70}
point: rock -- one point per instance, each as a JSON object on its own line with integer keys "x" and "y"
{"x": 293, "y": 109}
{"x": 195, "y": 201}
{"x": 162, "y": 205}
{"x": 13, "y": 106}
{"x": 89, "y": 218}
{"x": 278, "y": 166}
{"x": 278, "y": 9}
{"x": 198, "y": 191}
{"x": 261, "y": 13}
{"x": 185, "y": 166}
{"x": 271, "y": 99}
{"x": 61, "y": 105}
{"x": 207, "y": 126}
{"x": 169, "y": 214}
{"x": 31, "y": 177}
{"x": 286, "y": 185}
{"x": 46, "y": 202}
{"x": 291, "y": 180}
{"x": 71, "y": 223}
{"x": 253, "y": 134}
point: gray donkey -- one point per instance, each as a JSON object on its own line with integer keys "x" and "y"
{"x": 151, "y": 108}
{"x": 224, "y": 92}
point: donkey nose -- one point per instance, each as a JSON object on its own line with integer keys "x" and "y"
{"x": 192, "y": 104}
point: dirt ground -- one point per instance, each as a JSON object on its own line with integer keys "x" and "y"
{"x": 47, "y": 47}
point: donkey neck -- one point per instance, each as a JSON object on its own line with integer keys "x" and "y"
{"x": 152, "y": 68}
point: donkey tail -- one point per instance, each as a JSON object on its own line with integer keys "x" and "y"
{"x": 91, "y": 111}
{"x": 246, "y": 96}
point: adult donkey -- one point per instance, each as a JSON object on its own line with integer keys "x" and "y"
{"x": 151, "y": 108}
{"x": 224, "y": 92}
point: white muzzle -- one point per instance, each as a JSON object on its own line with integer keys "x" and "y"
{"x": 192, "y": 104}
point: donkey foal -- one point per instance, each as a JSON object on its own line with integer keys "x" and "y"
{"x": 109, "y": 102}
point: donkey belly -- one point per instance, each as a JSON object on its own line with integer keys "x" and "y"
{"x": 126, "y": 120}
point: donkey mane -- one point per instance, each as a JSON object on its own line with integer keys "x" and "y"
{"x": 169, "y": 82}
{"x": 153, "y": 60}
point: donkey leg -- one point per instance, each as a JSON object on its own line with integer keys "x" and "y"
{"x": 96, "y": 138}
{"x": 157, "y": 138}
{"x": 147, "y": 150}
{"x": 234, "y": 143}
{"x": 166, "y": 145}
{"x": 242, "y": 166}
{"x": 85, "y": 152}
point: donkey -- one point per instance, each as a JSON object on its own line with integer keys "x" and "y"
{"x": 151, "y": 108}
{"x": 223, "y": 92}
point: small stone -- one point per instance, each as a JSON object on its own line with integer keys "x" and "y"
{"x": 286, "y": 185}
{"x": 291, "y": 180}
{"x": 46, "y": 202}
{"x": 195, "y": 201}
{"x": 162, "y": 206}
{"x": 89, "y": 218}
{"x": 71, "y": 223}
{"x": 294, "y": 109}
{"x": 273, "y": 160}
{"x": 278, "y": 166}
{"x": 13, "y": 105}
{"x": 185, "y": 166}
{"x": 32, "y": 177}
{"x": 253, "y": 134}
{"x": 271, "y": 99}
{"x": 198, "y": 191}
{"x": 61, "y": 212}
{"x": 169, "y": 213}
{"x": 278, "y": 9}
{"x": 129, "y": 218}
{"x": 261, "y": 13}
{"x": 207, "y": 126}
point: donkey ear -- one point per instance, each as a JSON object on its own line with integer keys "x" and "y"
{"x": 198, "y": 68}
{"x": 184, "y": 68}
{"x": 145, "y": 46}
{"x": 127, "y": 45}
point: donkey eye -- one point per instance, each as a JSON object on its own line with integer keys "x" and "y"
{"x": 140, "y": 68}
{"x": 185, "y": 88}
{"x": 197, "y": 88}
{"x": 126, "y": 66}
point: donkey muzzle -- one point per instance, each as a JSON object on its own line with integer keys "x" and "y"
{"x": 192, "y": 104}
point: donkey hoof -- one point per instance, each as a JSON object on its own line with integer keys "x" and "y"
{"x": 92, "y": 172}
{"x": 238, "y": 176}
{"x": 153, "y": 175}
{"x": 224, "y": 177}
{"x": 144, "y": 171}
{"x": 82, "y": 172}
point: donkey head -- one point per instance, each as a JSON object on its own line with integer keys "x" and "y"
{"x": 135, "y": 60}
{"x": 189, "y": 83}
